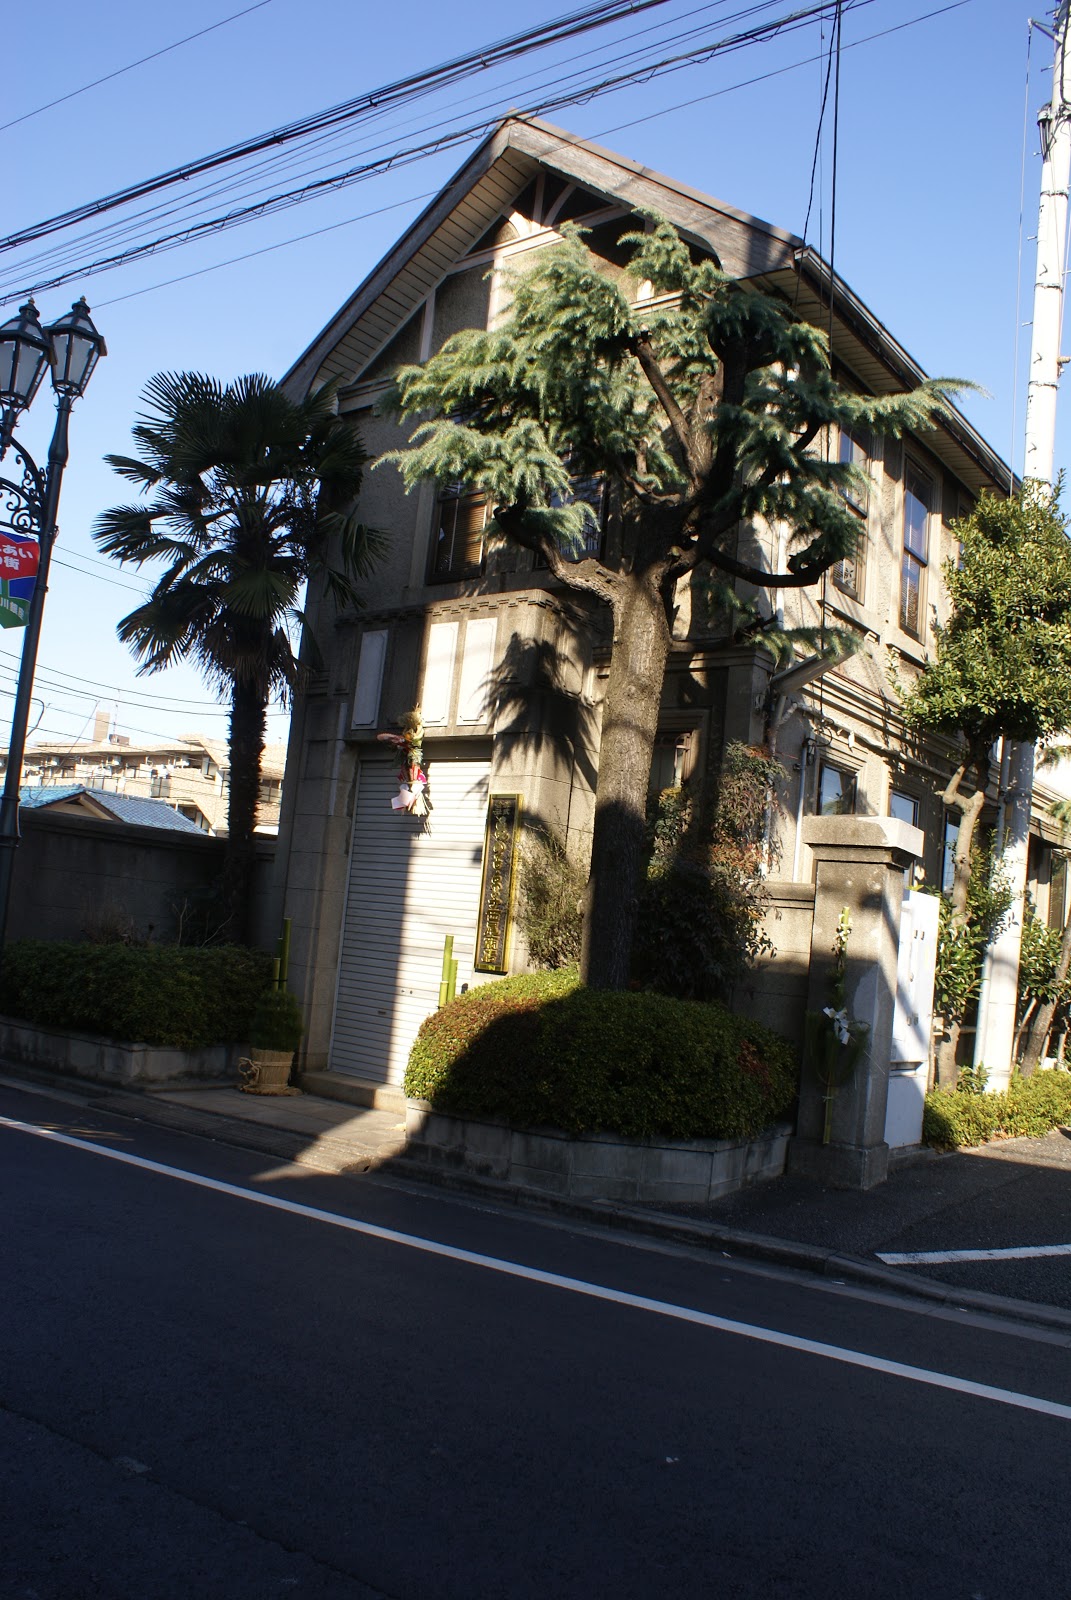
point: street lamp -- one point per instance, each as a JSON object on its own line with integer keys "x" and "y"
{"x": 29, "y": 503}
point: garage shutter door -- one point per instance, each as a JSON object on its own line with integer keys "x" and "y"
{"x": 409, "y": 887}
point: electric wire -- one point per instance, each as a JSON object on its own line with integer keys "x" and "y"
{"x": 405, "y": 157}
{"x": 555, "y": 31}
{"x": 57, "y": 257}
{"x": 141, "y": 61}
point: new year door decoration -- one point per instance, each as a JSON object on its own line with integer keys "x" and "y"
{"x": 499, "y": 869}
{"x": 412, "y": 796}
{"x": 20, "y": 516}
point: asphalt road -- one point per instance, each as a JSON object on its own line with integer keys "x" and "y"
{"x": 406, "y": 1395}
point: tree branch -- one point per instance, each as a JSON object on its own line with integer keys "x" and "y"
{"x": 641, "y": 349}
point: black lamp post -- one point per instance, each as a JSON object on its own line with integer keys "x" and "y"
{"x": 29, "y": 502}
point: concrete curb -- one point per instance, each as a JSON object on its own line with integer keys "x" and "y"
{"x": 827, "y": 1263}
{"x": 287, "y": 1146}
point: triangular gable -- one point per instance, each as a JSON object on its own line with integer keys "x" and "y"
{"x": 381, "y": 322}
{"x": 472, "y": 205}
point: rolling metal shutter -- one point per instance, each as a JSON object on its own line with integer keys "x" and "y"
{"x": 410, "y": 885}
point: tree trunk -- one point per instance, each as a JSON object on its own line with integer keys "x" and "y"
{"x": 970, "y": 811}
{"x": 1041, "y": 1026}
{"x": 246, "y": 748}
{"x": 629, "y": 724}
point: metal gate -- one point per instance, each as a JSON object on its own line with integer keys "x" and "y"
{"x": 410, "y": 885}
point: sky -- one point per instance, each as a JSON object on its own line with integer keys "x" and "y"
{"x": 936, "y": 201}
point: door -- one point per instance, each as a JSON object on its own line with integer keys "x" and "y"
{"x": 412, "y": 882}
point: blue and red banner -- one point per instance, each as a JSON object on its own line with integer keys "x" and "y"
{"x": 19, "y": 556}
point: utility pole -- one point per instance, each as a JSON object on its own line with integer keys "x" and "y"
{"x": 995, "y": 1040}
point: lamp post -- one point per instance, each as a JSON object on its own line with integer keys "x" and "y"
{"x": 29, "y": 504}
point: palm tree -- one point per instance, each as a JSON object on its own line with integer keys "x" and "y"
{"x": 249, "y": 496}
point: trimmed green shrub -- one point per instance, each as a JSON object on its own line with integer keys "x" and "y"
{"x": 1028, "y": 1108}
{"x": 541, "y": 1051}
{"x": 184, "y": 997}
{"x": 277, "y": 1022}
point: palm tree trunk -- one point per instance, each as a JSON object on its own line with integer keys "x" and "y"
{"x": 247, "y": 725}
{"x": 1041, "y": 1026}
{"x": 629, "y": 724}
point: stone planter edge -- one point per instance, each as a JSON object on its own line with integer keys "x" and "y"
{"x": 111, "y": 1061}
{"x": 597, "y": 1166}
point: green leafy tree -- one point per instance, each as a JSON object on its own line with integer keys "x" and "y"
{"x": 1048, "y": 976}
{"x": 702, "y": 413}
{"x": 1002, "y": 666}
{"x": 248, "y": 496}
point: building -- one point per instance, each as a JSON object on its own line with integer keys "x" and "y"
{"x": 509, "y": 670}
{"x": 190, "y": 773}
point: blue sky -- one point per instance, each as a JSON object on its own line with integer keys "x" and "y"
{"x": 928, "y": 215}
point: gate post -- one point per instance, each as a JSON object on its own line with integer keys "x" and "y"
{"x": 860, "y": 866}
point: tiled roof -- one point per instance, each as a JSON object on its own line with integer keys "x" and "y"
{"x": 123, "y": 807}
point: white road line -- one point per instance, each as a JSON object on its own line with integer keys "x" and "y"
{"x": 921, "y": 1258}
{"x": 553, "y": 1280}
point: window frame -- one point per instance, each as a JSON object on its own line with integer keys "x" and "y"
{"x": 849, "y": 574}
{"x": 849, "y": 773}
{"x": 915, "y": 562}
{"x": 456, "y": 495}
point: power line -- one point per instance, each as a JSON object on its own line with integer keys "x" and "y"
{"x": 57, "y": 258}
{"x": 119, "y": 71}
{"x": 156, "y": 702}
{"x": 553, "y": 32}
{"x": 444, "y": 141}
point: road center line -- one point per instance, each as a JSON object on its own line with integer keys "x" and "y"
{"x": 921, "y": 1258}
{"x": 554, "y": 1280}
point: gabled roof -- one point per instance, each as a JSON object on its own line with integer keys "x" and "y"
{"x": 475, "y": 196}
{"x": 103, "y": 803}
{"x": 745, "y": 246}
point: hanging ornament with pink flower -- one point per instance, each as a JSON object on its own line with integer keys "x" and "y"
{"x": 412, "y": 795}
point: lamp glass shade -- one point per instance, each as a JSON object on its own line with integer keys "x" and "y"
{"x": 24, "y": 355}
{"x": 76, "y": 348}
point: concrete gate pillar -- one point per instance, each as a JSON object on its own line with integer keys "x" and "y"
{"x": 861, "y": 864}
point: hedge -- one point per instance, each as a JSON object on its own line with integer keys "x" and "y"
{"x": 181, "y": 996}
{"x": 540, "y": 1051}
{"x": 1028, "y": 1108}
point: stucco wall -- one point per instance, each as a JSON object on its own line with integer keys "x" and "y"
{"x": 78, "y": 878}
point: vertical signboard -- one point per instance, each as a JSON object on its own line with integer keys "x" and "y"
{"x": 496, "y": 894}
{"x": 18, "y": 573}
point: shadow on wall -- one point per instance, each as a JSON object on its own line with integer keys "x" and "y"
{"x": 526, "y": 701}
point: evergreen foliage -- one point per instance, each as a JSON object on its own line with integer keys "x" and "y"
{"x": 699, "y": 411}
{"x": 550, "y": 906}
{"x": 248, "y": 495}
{"x": 1002, "y": 668}
{"x": 168, "y": 995}
{"x": 1028, "y": 1108}
{"x": 1003, "y": 659}
{"x": 703, "y": 901}
{"x": 539, "y": 1051}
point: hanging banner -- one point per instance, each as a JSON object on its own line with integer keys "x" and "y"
{"x": 18, "y": 573}
{"x": 499, "y": 869}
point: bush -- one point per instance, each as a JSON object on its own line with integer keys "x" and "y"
{"x": 177, "y": 996}
{"x": 1029, "y": 1108}
{"x": 551, "y": 902}
{"x": 540, "y": 1051}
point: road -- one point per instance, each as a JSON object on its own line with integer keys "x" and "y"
{"x": 231, "y": 1379}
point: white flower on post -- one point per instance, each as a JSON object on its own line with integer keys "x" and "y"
{"x": 839, "y": 1019}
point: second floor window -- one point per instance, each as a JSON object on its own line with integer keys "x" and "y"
{"x": 837, "y": 790}
{"x": 918, "y": 504}
{"x": 853, "y": 449}
{"x": 458, "y": 541}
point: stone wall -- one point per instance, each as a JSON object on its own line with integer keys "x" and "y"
{"x": 79, "y": 878}
{"x": 775, "y": 993}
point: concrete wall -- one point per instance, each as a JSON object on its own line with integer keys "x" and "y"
{"x": 775, "y": 993}
{"x": 79, "y": 878}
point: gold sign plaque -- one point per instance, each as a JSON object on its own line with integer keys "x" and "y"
{"x": 499, "y": 870}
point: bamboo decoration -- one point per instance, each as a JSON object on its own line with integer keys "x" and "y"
{"x": 449, "y": 975}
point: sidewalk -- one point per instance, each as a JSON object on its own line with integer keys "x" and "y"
{"x": 1009, "y": 1202}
